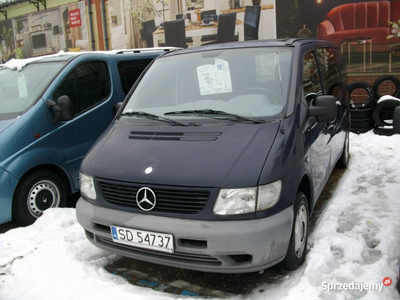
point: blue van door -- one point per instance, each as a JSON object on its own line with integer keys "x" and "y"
{"x": 89, "y": 88}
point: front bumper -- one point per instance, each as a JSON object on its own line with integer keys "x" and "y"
{"x": 238, "y": 246}
{"x": 8, "y": 184}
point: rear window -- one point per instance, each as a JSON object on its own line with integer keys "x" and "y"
{"x": 129, "y": 72}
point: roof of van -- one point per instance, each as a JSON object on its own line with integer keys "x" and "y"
{"x": 289, "y": 42}
{"x": 66, "y": 56}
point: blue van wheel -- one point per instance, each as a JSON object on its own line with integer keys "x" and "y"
{"x": 297, "y": 250}
{"x": 36, "y": 193}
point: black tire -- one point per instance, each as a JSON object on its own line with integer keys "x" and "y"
{"x": 297, "y": 250}
{"x": 344, "y": 158}
{"x": 361, "y": 125}
{"x": 384, "y": 131}
{"x": 383, "y": 78}
{"x": 361, "y": 113}
{"x": 384, "y": 111}
{"x": 35, "y": 193}
{"x": 370, "y": 101}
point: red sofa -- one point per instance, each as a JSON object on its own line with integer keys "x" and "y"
{"x": 358, "y": 20}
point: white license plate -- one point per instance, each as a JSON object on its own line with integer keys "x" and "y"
{"x": 143, "y": 239}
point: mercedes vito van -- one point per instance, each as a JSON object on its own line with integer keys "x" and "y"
{"x": 218, "y": 155}
{"x": 52, "y": 109}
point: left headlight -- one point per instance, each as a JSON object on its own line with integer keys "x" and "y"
{"x": 247, "y": 200}
{"x": 86, "y": 183}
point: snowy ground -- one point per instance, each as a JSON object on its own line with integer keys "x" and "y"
{"x": 355, "y": 242}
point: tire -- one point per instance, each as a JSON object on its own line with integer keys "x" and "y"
{"x": 363, "y": 85}
{"x": 384, "y": 111}
{"x": 344, "y": 158}
{"x": 297, "y": 250}
{"x": 383, "y": 78}
{"x": 361, "y": 125}
{"x": 361, "y": 113}
{"x": 36, "y": 193}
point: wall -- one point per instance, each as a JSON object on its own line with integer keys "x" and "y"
{"x": 26, "y": 8}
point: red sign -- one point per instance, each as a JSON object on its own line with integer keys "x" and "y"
{"x": 75, "y": 18}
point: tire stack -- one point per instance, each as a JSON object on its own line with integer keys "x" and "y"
{"x": 383, "y": 112}
{"x": 372, "y": 113}
{"x": 362, "y": 113}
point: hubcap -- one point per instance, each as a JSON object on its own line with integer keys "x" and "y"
{"x": 43, "y": 195}
{"x": 300, "y": 231}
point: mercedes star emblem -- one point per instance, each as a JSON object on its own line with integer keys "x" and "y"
{"x": 146, "y": 199}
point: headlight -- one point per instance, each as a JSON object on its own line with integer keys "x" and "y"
{"x": 87, "y": 186}
{"x": 235, "y": 201}
{"x": 247, "y": 200}
{"x": 268, "y": 195}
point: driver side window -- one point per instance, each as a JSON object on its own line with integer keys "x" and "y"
{"x": 87, "y": 85}
{"x": 311, "y": 79}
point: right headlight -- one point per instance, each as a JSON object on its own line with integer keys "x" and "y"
{"x": 247, "y": 200}
{"x": 87, "y": 189}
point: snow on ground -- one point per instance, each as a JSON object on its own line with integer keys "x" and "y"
{"x": 355, "y": 242}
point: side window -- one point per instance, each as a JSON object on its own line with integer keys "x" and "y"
{"x": 88, "y": 85}
{"x": 330, "y": 69}
{"x": 311, "y": 78}
{"x": 129, "y": 72}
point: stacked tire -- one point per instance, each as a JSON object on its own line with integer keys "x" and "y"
{"x": 383, "y": 112}
{"x": 362, "y": 113}
{"x": 372, "y": 113}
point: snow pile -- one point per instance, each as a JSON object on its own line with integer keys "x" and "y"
{"x": 356, "y": 241}
{"x": 52, "y": 259}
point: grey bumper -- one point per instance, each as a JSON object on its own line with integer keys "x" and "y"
{"x": 212, "y": 246}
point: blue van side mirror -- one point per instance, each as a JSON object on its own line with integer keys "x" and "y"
{"x": 116, "y": 108}
{"x": 63, "y": 110}
{"x": 324, "y": 109}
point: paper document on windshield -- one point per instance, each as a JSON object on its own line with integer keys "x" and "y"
{"x": 22, "y": 88}
{"x": 214, "y": 79}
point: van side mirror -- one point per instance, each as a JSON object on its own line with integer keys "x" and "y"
{"x": 63, "y": 110}
{"x": 324, "y": 109}
{"x": 396, "y": 119}
{"x": 116, "y": 108}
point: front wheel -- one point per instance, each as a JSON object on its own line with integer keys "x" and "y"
{"x": 344, "y": 158}
{"x": 297, "y": 250}
{"x": 36, "y": 193}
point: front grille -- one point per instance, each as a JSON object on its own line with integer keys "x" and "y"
{"x": 179, "y": 257}
{"x": 178, "y": 201}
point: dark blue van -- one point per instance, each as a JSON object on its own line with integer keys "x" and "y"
{"x": 52, "y": 109}
{"x": 218, "y": 155}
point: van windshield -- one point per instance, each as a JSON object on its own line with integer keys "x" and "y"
{"x": 20, "y": 89}
{"x": 248, "y": 82}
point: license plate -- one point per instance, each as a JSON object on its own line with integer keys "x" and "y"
{"x": 143, "y": 239}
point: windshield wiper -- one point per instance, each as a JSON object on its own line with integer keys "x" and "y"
{"x": 211, "y": 113}
{"x": 152, "y": 116}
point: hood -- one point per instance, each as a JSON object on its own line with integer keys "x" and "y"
{"x": 5, "y": 123}
{"x": 217, "y": 156}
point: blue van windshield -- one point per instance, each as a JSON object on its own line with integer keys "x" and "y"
{"x": 20, "y": 89}
{"x": 250, "y": 82}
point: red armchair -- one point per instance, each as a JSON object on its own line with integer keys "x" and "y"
{"x": 358, "y": 20}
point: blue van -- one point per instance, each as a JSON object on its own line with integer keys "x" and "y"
{"x": 52, "y": 109}
{"x": 218, "y": 155}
